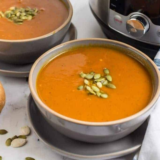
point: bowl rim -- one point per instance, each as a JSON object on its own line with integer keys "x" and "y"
{"x": 80, "y": 122}
{"x": 70, "y": 9}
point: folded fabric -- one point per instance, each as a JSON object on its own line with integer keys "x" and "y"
{"x": 150, "y": 149}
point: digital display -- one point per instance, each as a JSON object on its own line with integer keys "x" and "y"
{"x": 150, "y": 8}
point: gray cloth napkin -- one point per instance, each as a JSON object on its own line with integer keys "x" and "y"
{"x": 151, "y": 145}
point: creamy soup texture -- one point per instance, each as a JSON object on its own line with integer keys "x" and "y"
{"x": 51, "y": 15}
{"x": 58, "y": 80}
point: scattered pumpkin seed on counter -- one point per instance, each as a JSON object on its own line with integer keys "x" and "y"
{"x": 19, "y": 15}
{"x": 93, "y": 82}
{"x": 21, "y": 140}
{"x": 25, "y": 131}
{"x": 29, "y": 158}
{"x": 8, "y": 142}
{"x": 3, "y": 131}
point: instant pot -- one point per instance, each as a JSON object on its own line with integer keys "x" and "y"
{"x": 136, "y": 22}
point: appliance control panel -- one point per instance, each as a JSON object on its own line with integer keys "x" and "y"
{"x": 135, "y": 25}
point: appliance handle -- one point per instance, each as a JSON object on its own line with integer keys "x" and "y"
{"x": 157, "y": 59}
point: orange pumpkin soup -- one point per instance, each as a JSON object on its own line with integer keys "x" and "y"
{"x": 58, "y": 80}
{"x": 50, "y": 15}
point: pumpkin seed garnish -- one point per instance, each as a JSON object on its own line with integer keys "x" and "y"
{"x": 19, "y": 15}
{"x": 99, "y": 84}
{"x": 89, "y": 76}
{"x": 3, "y": 131}
{"x": 8, "y": 142}
{"x": 100, "y": 80}
{"x": 105, "y": 82}
{"x": 104, "y": 95}
{"x": 29, "y": 158}
{"x": 82, "y": 75}
{"x": 80, "y": 88}
{"x": 110, "y": 85}
{"x": 90, "y": 90}
{"x": 109, "y": 78}
{"x": 0, "y": 157}
{"x": 96, "y": 89}
{"x": 106, "y": 71}
{"x": 1, "y": 14}
{"x": 97, "y": 76}
{"x": 98, "y": 94}
{"x": 86, "y": 82}
{"x": 95, "y": 81}
{"x": 92, "y": 73}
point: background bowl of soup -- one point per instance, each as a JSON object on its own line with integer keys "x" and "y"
{"x": 22, "y": 43}
{"x": 54, "y": 79}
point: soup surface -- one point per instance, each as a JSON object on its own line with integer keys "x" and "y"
{"x": 52, "y": 16}
{"x": 58, "y": 80}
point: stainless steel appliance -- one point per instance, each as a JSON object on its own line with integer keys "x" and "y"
{"x": 136, "y": 22}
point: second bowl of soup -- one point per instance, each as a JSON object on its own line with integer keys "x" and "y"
{"x": 31, "y": 27}
{"x": 95, "y": 90}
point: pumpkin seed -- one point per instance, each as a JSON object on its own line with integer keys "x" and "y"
{"x": 86, "y": 82}
{"x": 110, "y": 85}
{"x": 14, "y": 137}
{"x": 104, "y": 95}
{"x": 109, "y": 78}
{"x": 105, "y": 82}
{"x": 24, "y": 17}
{"x": 19, "y": 23}
{"x": 97, "y": 76}
{"x": 89, "y": 76}
{"x": 92, "y": 73}
{"x": 25, "y": 131}
{"x": 8, "y": 142}
{"x": 23, "y": 14}
{"x": 83, "y": 75}
{"x": 106, "y": 71}
{"x": 22, "y": 136}
{"x": 96, "y": 89}
{"x": 99, "y": 84}
{"x": 12, "y": 8}
{"x": 29, "y": 18}
{"x": 19, "y": 142}
{"x": 18, "y": 14}
{"x": 3, "y": 131}
{"x": 100, "y": 80}
{"x": 1, "y": 14}
{"x": 98, "y": 94}
{"x": 7, "y": 15}
{"x": 35, "y": 10}
{"x": 0, "y": 157}
{"x": 90, "y": 90}
{"x": 80, "y": 88}
{"x": 29, "y": 158}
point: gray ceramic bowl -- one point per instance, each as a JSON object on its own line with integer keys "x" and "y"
{"x": 90, "y": 131}
{"x": 28, "y": 50}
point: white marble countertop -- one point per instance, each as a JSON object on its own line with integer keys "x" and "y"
{"x": 14, "y": 115}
